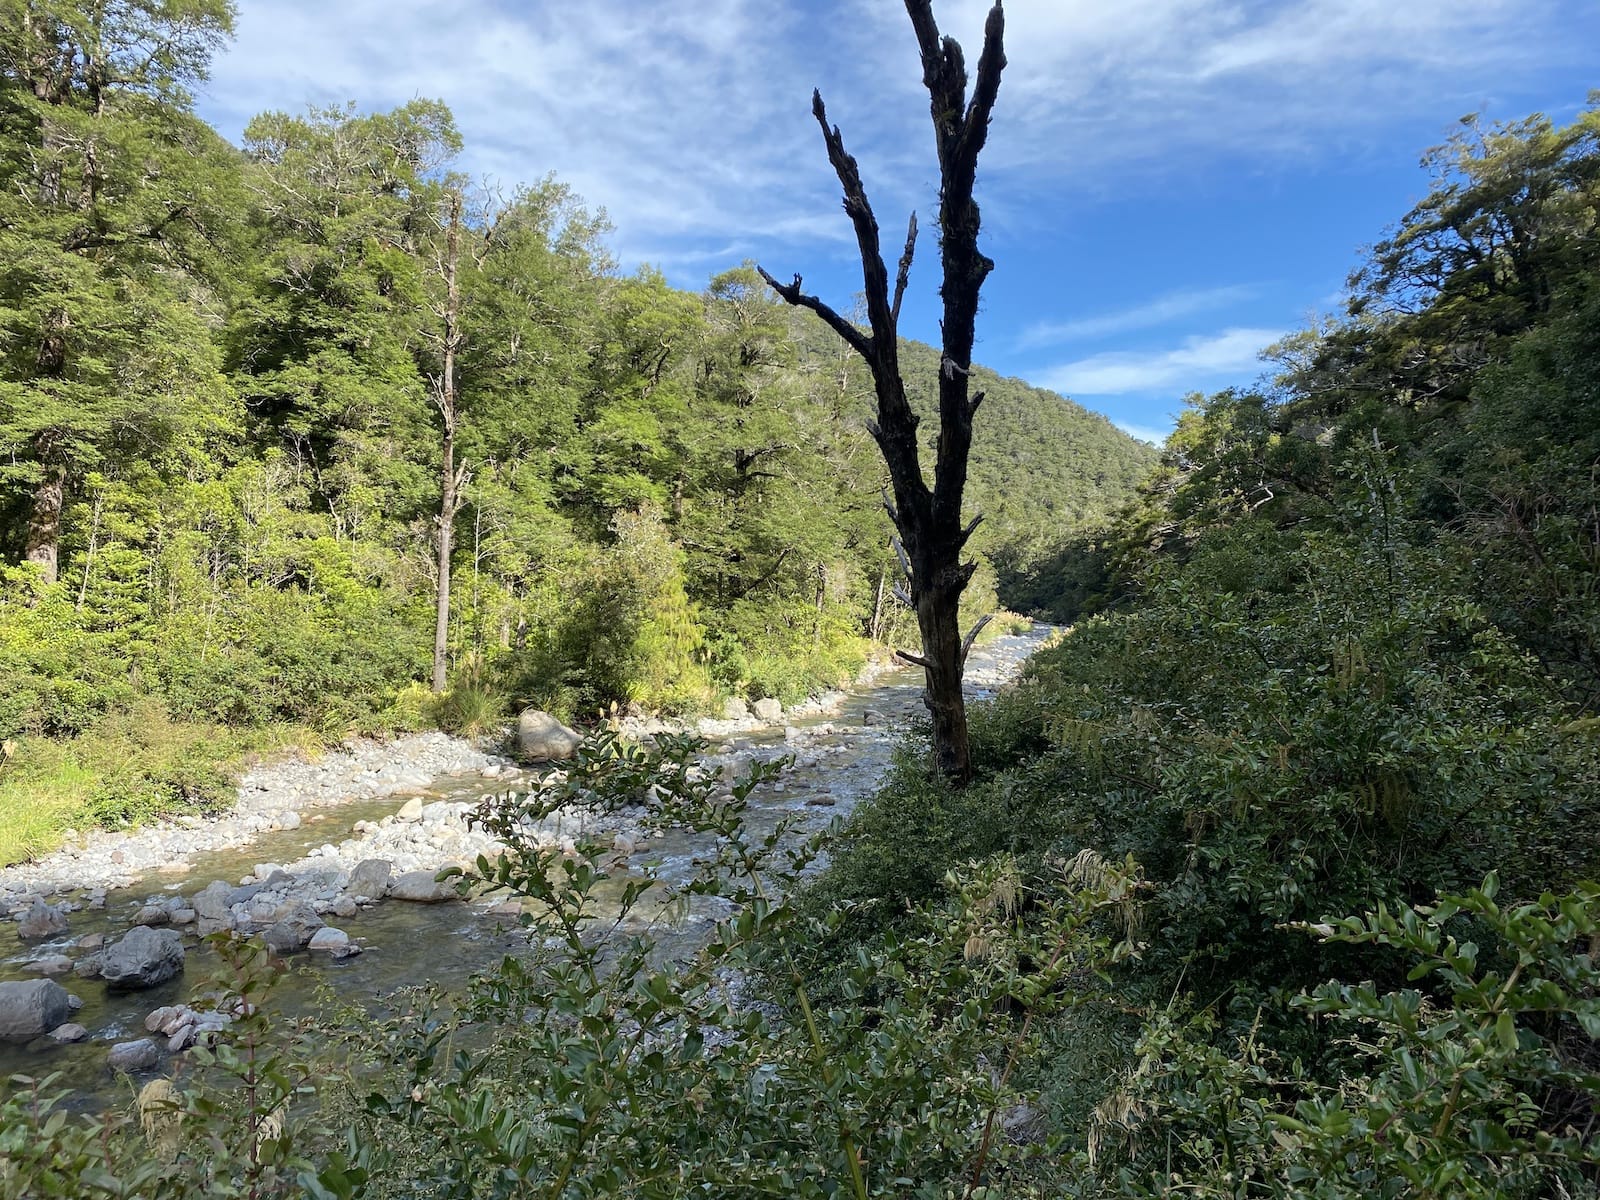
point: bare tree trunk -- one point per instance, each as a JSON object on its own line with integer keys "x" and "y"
{"x": 94, "y": 544}
{"x": 44, "y": 523}
{"x": 876, "y": 628}
{"x": 450, "y": 480}
{"x": 928, "y": 520}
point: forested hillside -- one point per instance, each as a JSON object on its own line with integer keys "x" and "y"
{"x": 248, "y": 393}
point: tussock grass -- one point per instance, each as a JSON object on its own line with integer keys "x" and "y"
{"x": 131, "y": 768}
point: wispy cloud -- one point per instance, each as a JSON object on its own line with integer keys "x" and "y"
{"x": 691, "y": 123}
{"x": 1230, "y": 356}
{"x": 1158, "y": 82}
{"x": 1152, "y": 314}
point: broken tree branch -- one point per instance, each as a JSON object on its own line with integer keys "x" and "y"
{"x": 916, "y": 660}
{"x": 888, "y": 504}
{"x": 972, "y": 526}
{"x": 859, "y": 342}
{"x": 966, "y": 642}
{"x": 902, "y": 274}
{"x": 900, "y": 553}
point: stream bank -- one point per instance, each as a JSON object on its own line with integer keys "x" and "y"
{"x": 334, "y": 862}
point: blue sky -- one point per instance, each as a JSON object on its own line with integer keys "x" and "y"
{"x": 1170, "y": 185}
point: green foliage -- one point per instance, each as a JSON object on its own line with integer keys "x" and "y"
{"x": 1484, "y": 1088}
{"x": 472, "y": 707}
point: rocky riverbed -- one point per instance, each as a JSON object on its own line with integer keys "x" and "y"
{"x": 336, "y": 857}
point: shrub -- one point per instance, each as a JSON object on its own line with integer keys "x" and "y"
{"x": 1485, "y": 1088}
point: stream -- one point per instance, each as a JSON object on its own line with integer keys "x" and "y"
{"x": 840, "y": 757}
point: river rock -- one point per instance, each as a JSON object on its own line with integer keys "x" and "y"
{"x": 420, "y": 887}
{"x": 542, "y": 737}
{"x": 91, "y": 941}
{"x": 65, "y": 1035}
{"x": 411, "y": 810}
{"x": 51, "y": 965}
{"x": 371, "y": 878}
{"x": 153, "y": 914}
{"x": 143, "y": 958}
{"x": 735, "y": 709}
{"x": 155, "y": 1020}
{"x": 294, "y": 929}
{"x": 212, "y": 908}
{"x": 328, "y": 938}
{"x": 769, "y": 710}
{"x": 29, "y": 1008}
{"x": 40, "y": 922}
{"x": 133, "y": 1056}
{"x": 88, "y": 967}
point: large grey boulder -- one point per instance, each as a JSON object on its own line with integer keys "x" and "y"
{"x": 143, "y": 958}
{"x": 41, "y": 922}
{"x": 293, "y": 930}
{"x": 328, "y": 938}
{"x": 543, "y": 737}
{"x": 734, "y": 709}
{"x": 29, "y": 1008}
{"x": 768, "y": 710}
{"x": 133, "y": 1056}
{"x": 371, "y": 878}
{"x": 420, "y": 887}
{"x": 212, "y": 907}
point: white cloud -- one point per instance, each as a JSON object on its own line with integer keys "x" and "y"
{"x": 667, "y": 115}
{"x": 690, "y": 123}
{"x": 1199, "y": 361}
{"x": 1152, "y": 314}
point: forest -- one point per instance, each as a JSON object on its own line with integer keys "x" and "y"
{"x": 311, "y": 436}
{"x": 1276, "y": 876}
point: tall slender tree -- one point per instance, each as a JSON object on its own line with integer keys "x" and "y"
{"x": 928, "y": 519}
{"x": 451, "y": 478}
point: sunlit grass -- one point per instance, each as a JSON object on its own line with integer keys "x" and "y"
{"x": 130, "y": 769}
{"x": 38, "y": 808}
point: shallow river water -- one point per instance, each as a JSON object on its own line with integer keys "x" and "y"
{"x": 841, "y": 758}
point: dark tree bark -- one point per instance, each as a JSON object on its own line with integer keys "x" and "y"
{"x": 44, "y": 522}
{"x": 928, "y": 520}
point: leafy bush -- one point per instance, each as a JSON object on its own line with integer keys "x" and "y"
{"x": 1487, "y": 1087}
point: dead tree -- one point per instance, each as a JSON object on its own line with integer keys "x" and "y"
{"x": 928, "y": 520}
